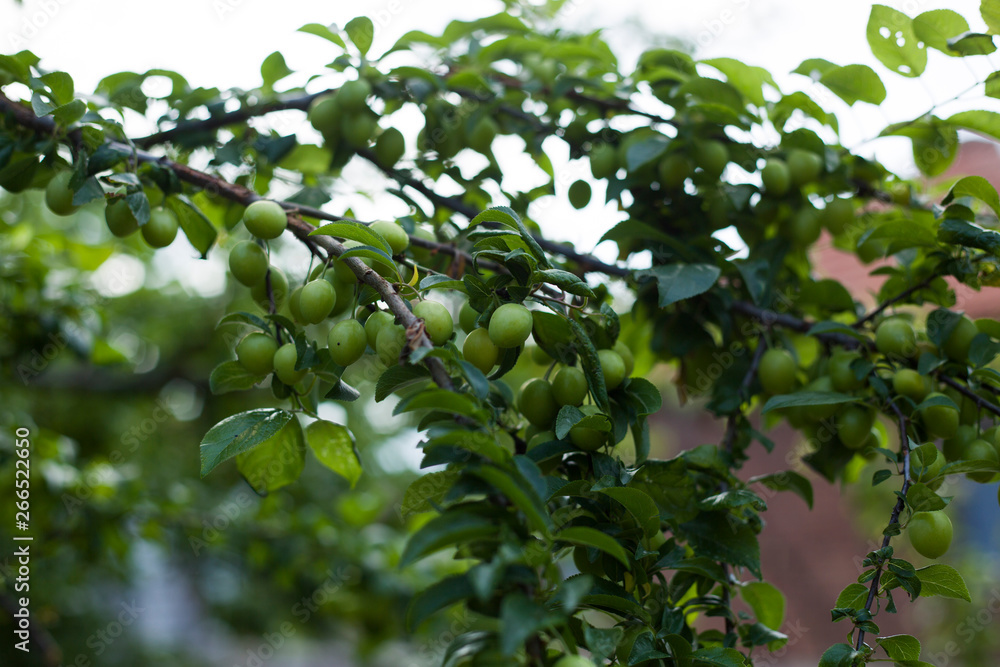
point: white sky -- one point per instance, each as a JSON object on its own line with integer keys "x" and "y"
{"x": 222, "y": 42}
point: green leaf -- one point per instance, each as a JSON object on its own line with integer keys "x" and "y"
{"x": 990, "y": 11}
{"x": 745, "y": 78}
{"x": 960, "y": 232}
{"x": 944, "y": 581}
{"x": 676, "y": 282}
{"x": 591, "y": 537}
{"x": 787, "y": 480}
{"x": 893, "y": 41}
{"x": 733, "y": 499}
{"x": 520, "y": 494}
{"x": 324, "y": 32}
{"x": 766, "y": 601}
{"x": 922, "y": 499}
{"x": 197, "y": 227}
{"x": 240, "y": 433}
{"x": 332, "y": 445}
{"x": 232, "y": 376}
{"x": 639, "y": 504}
{"x": 719, "y": 536}
{"x": 936, "y": 27}
{"x": 855, "y": 83}
{"x": 448, "y": 530}
{"x": 852, "y": 597}
{"x": 839, "y": 655}
{"x": 803, "y": 398}
{"x": 520, "y": 618}
{"x": 972, "y": 44}
{"x": 448, "y": 591}
{"x": 569, "y": 282}
{"x": 397, "y": 377}
{"x": 601, "y": 642}
{"x": 984, "y": 122}
{"x": 273, "y": 69}
{"x": 935, "y": 142}
{"x": 591, "y": 367}
{"x": 354, "y": 231}
{"x": 643, "y": 152}
{"x": 424, "y": 493}
{"x": 900, "y": 647}
{"x": 718, "y": 656}
{"x": 361, "y": 31}
{"x": 444, "y": 401}
{"x": 276, "y": 462}
{"x": 977, "y": 187}
{"x": 646, "y": 396}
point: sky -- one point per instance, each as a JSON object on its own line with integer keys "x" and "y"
{"x": 222, "y": 43}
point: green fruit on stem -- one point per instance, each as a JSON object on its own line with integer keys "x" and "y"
{"x": 804, "y": 166}
{"x": 390, "y": 343}
{"x": 467, "y": 317}
{"x": 712, "y": 157}
{"x": 394, "y": 235}
{"x": 390, "y": 147}
{"x": 482, "y": 135}
{"x": 357, "y": 128}
{"x": 777, "y": 371}
{"x": 573, "y": 661}
{"x": 324, "y": 115}
{"x": 803, "y": 228}
{"x": 353, "y": 95}
{"x": 895, "y": 338}
{"x": 285, "y": 359}
{"x": 480, "y": 351}
{"x": 59, "y": 195}
{"x": 265, "y": 219}
{"x": 956, "y": 347}
{"x": 954, "y": 447}
{"x": 537, "y": 403}
{"x": 930, "y": 533}
{"x": 674, "y": 170}
{"x": 248, "y": 263}
{"x": 293, "y": 304}
{"x": 613, "y": 367}
{"x": 161, "y": 230}
{"x": 316, "y": 301}
{"x": 587, "y": 438}
{"x": 603, "y": 161}
{"x": 908, "y": 382}
{"x": 985, "y": 452}
{"x": 837, "y": 215}
{"x": 926, "y": 462}
{"x": 510, "y": 325}
{"x": 841, "y": 373}
{"x": 776, "y": 177}
{"x": 625, "y": 353}
{"x": 256, "y": 353}
{"x": 346, "y": 342}
{"x": 941, "y": 421}
{"x": 854, "y": 425}
{"x": 569, "y": 386}
{"x": 579, "y": 194}
{"x": 121, "y": 221}
{"x": 374, "y": 324}
{"x": 279, "y": 288}
{"x": 438, "y": 323}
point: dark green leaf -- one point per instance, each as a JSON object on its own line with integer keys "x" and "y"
{"x": 676, "y": 282}
{"x": 232, "y": 376}
{"x": 240, "y": 433}
{"x": 276, "y": 462}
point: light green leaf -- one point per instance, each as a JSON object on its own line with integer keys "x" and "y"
{"x": 944, "y": 581}
{"x": 936, "y": 27}
{"x": 893, "y": 41}
{"x": 900, "y": 647}
{"x": 426, "y": 492}
{"x": 354, "y": 231}
{"x": 273, "y": 69}
{"x": 324, "y": 32}
{"x": 332, "y": 445}
{"x": 855, "y": 83}
{"x": 852, "y": 597}
{"x": 639, "y": 504}
{"x": 802, "y": 398}
{"x": 275, "y": 463}
{"x": 361, "y": 31}
{"x": 240, "y": 433}
{"x": 232, "y": 376}
{"x": 766, "y": 601}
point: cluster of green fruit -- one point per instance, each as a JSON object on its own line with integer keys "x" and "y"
{"x": 947, "y": 416}
{"x": 345, "y": 117}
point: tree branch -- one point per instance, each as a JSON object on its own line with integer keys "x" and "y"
{"x": 981, "y": 402}
{"x": 899, "y": 297}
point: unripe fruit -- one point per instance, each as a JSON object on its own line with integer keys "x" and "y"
{"x": 908, "y": 382}
{"x": 256, "y": 353}
{"x": 265, "y": 219}
{"x": 837, "y": 215}
{"x": 324, "y": 115}
{"x": 804, "y": 166}
{"x": 775, "y": 177}
{"x": 926, "y": 462}
{"x": 854, "y": 425}
{"x": 980, "y": 450}
{"x": 374, "y": 324}
{"x": 930, "y": 533}
{"x": 279, "y": 287}
{"x": 347, "y": 342}
{"x": 390, "y": 147}
{"x": 841, "y": 372}
{"x": 510, "y": 325}
{"x": 161, "y": 230}
{"x": 390, "y": 343}
{"x": 603, "y": 161}
{"x": 394, "y": 235}
{"x": 712, "y": 157}
{"x": 954, "y": 447}
{"x": 896, "y": 338}
{"x": 353, "y": 94}
{"x": 613, "y": 368}
{"x": 625, "y": 353}
{"x": 777, "y": 371}
{"x": 537, "y": 403}
{"x": 586, "y": 438}
{"x": 121, "y": 220}
{"x": 803, "y": 228}
{"x": 579, "y": 194}
{"x": 293, "y": 304}
{"x": 316, "y": 301}
{"x": 569, "y": 386}
{"x": 58, "y": 194}
{"x": 956, "y": 347}
{"x": 467, "y": 317}
{"x": 941, "y": 421}
{"x": 480, "y": 351}
{"x": 540, "y": 438}
{"x": 284, "y": 364}
{"x": 248, "y": 263}
{"x": 438, "y": 323}
{"x": 674, "y": 170}
{"x": 820, "y": 412}
{"x": 482, "y": 135}
{"x": 357, "y": 128}
{"x": 573, "y": 661}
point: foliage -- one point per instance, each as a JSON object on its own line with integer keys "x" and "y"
{"x": 543, "y": 516}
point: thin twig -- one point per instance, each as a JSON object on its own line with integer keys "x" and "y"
{"x": 899, "y": 297}
{"x": 968, "y": 393}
